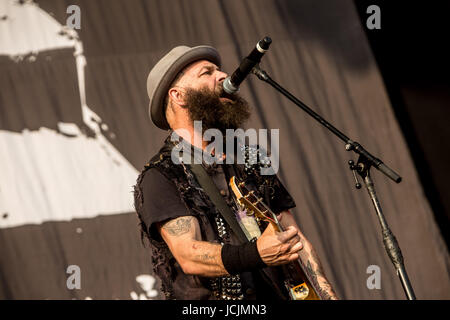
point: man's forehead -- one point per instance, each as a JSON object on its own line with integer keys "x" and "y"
{"x": 197, "y": 65}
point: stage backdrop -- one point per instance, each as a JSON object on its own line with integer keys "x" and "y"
{"x": 74, "y": 133}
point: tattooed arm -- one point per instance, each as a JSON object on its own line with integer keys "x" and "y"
{"x": 310, "y": 259}
{"x": 183, "y": 238}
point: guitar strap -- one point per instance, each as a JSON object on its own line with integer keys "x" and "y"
{"x": 211, "y": 190}
{"x": 206, "y": 182}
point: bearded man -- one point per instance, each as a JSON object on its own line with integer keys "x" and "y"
{"x": 195, "y": 252}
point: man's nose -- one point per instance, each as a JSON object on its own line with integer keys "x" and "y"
{"x": 220, "y": 77}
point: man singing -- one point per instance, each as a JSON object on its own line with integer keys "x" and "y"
{"x": 195, "y": 252}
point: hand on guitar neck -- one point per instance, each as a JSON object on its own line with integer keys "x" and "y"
{"x": 277, "y": 248}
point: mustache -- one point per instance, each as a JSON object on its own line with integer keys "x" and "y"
{"x": 222, "y": 94}
{"x": 205, "y": 104}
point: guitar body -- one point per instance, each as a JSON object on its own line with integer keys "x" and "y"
{"x": 297, "y": 282}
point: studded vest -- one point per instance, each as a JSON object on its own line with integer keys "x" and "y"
{"x": 213, "y": 228}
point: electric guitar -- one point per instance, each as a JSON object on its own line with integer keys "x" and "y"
{"x": 298, "y": 284}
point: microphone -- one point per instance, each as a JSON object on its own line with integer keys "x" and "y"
{"x": 231, "y": 84}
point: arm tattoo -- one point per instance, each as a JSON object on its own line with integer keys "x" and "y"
{"x": 319, "y": 269}
{"x": 317, "y": 276}
{"x": 206, "y": 257}
{"x": 323, "y": 293}
{"x": 179, "y": 226}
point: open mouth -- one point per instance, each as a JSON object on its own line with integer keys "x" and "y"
{"x": 225, "y": 96}
{"x": 226, "y": 99}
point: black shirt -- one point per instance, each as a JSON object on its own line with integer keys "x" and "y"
{"x": 163, "y": 202}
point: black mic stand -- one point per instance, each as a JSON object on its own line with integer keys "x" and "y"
{"x": 365, "y": 162}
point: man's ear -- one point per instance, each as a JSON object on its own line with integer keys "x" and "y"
{"x": 177, "y": 96}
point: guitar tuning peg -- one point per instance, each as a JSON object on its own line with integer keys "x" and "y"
{"x": 257, "y": 201}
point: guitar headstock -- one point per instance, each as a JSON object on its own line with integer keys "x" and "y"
{"x": 249, "y": 200}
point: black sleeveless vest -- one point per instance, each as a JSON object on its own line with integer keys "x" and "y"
{"x": 213, "y": 228}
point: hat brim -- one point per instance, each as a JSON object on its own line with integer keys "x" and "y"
{"x": 156, "y": 105}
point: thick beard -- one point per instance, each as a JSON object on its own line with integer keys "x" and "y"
{"x": 205, "y": 105}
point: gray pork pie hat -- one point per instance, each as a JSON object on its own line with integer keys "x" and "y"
{"x": 165, "y": 71}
